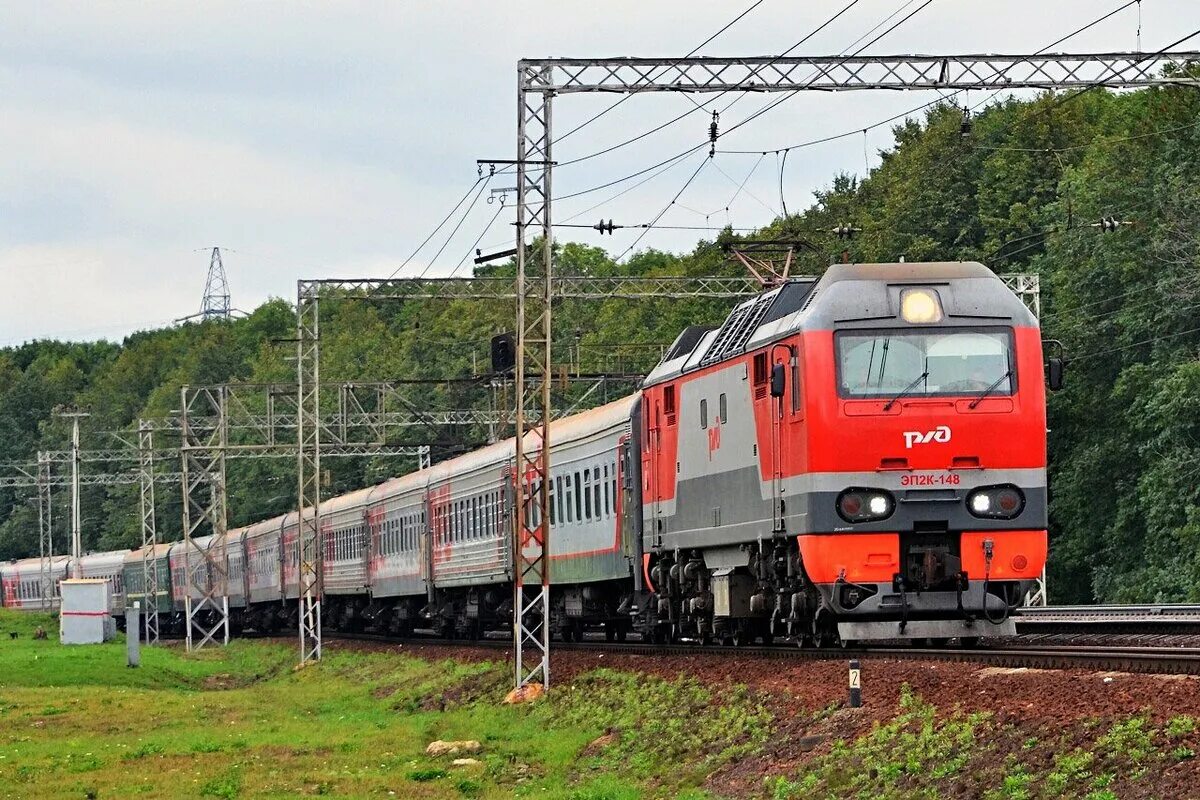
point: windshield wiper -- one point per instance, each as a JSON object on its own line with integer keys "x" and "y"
{"x": 906, "y": 389}
{"x": 990, "y": 389}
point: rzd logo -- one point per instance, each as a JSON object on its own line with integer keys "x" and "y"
{"x": 939, "y": 434}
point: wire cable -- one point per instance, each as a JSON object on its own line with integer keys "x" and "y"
{"x": 665, "y": 208}
{"x": 691, "y": 53}
{"x": 940, "y": 99}
{"x": 478, "y": 238}
{"x": 461, "y": 220}
{"x": 437, "y": 228}
{"x": 703, "y": 106}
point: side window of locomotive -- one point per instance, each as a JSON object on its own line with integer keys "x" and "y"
{"x": 570, "y": 500}
{"x": 558, "y": 493}
{"x": 761, "y": 373}
{"x": 669, "y": 404}
{"x": 703, "y": 414}
{"x": 723, "y": 411}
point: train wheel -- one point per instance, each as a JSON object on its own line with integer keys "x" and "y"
{"x": 768, "y": 639}
{"x": 740, "y": 638}
{"x": 969, "y": 641}
{"x": 610, "y": 633}
{"x": 621, "y": 632}
{"x": 939, "y": 641}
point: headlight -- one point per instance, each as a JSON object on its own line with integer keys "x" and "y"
{"x": 996, "y": 502}
{"x": 865, "y": 505}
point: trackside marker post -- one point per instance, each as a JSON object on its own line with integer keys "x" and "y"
{"x": 855, "y": 685}
{"x": 133, "y": 638}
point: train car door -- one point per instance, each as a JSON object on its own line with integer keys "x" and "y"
{"x": 782, "y": 374}
{"x": 651, "y": 458}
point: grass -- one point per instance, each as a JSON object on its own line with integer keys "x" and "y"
{"x": 241, "y": 722}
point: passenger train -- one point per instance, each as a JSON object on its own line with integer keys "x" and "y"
{"x": 854, "y": 458}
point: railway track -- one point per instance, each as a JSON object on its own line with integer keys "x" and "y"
{"x": 1162, "y": 619}
{"x": 1010, "y": 653}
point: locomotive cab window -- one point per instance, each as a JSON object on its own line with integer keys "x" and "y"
{"x": 925, "y": 363}
{"x": 703, "y": 413}
{"x": 669, "y": 404}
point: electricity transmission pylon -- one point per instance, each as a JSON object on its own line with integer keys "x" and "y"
{"x": 215, "y": 304}
{"x": 216, "y": 289}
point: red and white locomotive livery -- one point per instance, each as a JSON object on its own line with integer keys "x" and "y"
{"x": 860, "y": 457}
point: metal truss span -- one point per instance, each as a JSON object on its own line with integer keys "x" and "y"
{"x": 848, "y": 73}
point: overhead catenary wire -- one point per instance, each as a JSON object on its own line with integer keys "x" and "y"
{"x": 438, "y": 227}
{"x": 486, "y": 180}
{"x": 703, "y": 106}
{"x": 931, "y": 103}
{"x": 478, "y": 239}
{"x": 657, "y": 217}
{"x": 690, "y": 53}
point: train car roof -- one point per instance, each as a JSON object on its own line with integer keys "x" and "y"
{"x": 341, "y": 502}
{"x": 265, "y": 525}
{"x": 104, "y": 557}
{"x": 562, "y": 431}
{"x": 22, "y": 564}
{"x": 160, "y": 551}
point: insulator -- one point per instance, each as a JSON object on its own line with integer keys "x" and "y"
{"x": 712, "y": 134}
{"x": 964, "y": 127}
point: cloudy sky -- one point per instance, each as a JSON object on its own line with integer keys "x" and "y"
{"x": 324, "y": 139}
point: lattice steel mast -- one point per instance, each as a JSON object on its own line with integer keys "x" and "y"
{"x": 202, "y": 460}
{"x": 149, "y": 531}
{"x": 45, "y": 531}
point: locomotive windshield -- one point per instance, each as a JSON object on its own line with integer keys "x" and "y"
{"x": 924, "y": 363}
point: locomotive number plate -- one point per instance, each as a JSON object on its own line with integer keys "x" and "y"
{"x": 930, "y": 479}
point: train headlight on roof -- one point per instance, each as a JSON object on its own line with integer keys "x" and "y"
{"x": 920, "y": 306}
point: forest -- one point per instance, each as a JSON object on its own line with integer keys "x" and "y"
{"x": 1022, "y": 188}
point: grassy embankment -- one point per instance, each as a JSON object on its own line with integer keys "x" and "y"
{"x": 240, "y": 722}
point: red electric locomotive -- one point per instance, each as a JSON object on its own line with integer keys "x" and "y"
{"x": 852, "y": 458}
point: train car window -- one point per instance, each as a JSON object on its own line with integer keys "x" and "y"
{"x": 553, "y": 511}
{"x": 613, "y": 464}
{"x": 570, "y": 517}
{"x": 669, "y": 404}
{"x": 558, "y": 483}
{"x": 703, "y": 414}
{"x": 604, "y": 471}
{"x": 587, "y": 494}
{"x": 607, "y": 502}
{"x": 723, "y": 411}
{"x": 578, "y": 499}
{"x": 596, "y": 490}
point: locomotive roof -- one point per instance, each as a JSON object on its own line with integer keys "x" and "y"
{"x": 846, "y": 296}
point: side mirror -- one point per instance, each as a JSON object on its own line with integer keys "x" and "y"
{"x": 778, "y": 380}
{"x": 1054, "y": 373}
